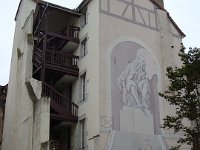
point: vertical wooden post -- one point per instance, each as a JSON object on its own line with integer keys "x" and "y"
{"x": 42, "y": 76}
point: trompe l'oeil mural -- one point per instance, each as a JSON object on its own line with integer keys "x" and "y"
{"x": 134, "y": 85}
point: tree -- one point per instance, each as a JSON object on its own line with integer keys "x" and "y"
{"x": 184, "y": 93}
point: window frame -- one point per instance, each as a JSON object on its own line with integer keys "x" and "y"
{"x": 84, "y": 18}
{"x": 84, "y": 51}
{"x": 83, "y": 78}
{"x": 83, "y": 133}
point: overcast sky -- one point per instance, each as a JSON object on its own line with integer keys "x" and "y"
{"x": 184, "y": 12}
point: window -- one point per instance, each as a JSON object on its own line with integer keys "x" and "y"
{"x": 82, "y": 134}
{"x": 83, "y": 86}
{"x": 84, "y": 47}
{"x": 84, "y": 18}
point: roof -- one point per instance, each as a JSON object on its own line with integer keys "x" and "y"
{"x": 82, "y": 4}
{"x": 72, "y": 11}
{"x": 176, "y": 26}
{"x": 158, "y": 4}
{"x": 85, "y": 2}
{"x": 170, "y": 18}
{"x": 54, "y": 6}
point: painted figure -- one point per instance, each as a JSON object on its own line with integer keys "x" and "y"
{"x": 134, "y": 85}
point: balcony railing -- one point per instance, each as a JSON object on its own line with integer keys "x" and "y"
{"x": 72, "y": 31}
{"x": 67, "y": 109}
{"x": 58, "y": 61}
{"x": 61, "y": 59}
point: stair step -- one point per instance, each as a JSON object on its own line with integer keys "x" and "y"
{"x": 136, "y": 141}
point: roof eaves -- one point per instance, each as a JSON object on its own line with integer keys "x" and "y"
{"x": 170, "y": 18}
{"x": 71, "y": 11}
{"x": 176, "y": 26}
{"x": 51, "y": 5}
{"x": 158, "y": 5}
{"x": 82, "y": 5}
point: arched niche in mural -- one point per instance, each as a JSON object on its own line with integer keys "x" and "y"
{"x": 134, "y": 89}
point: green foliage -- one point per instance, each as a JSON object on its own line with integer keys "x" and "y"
{"x": 184, "y": 94}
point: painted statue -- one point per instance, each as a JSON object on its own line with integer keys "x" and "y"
{"x": 134, "y": 85}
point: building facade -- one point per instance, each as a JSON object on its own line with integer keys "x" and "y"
{"x": 88, "y": 78}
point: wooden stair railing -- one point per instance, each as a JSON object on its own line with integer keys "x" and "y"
{"x": 64, "y": 107}
{"x": 37, "y": 57}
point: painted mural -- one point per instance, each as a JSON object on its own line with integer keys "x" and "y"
{"x": 134, "y": 85}
{"x": 134, "y": 90}
{"x": 130, "y": 109}
{"x": 134, "y": 98}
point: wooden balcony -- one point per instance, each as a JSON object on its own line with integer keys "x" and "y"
{"x": 62, "y": 62}
{"x": 65, "y": 109}
{"x": 70, "y": 33}
{"x": 57, "y": 61}
{"x": 69, "y": 36}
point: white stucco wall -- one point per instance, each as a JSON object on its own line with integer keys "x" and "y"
{"x": 90, "y": 64}
{"x": 22, "y": 111}
{"x": 151, "y": 29}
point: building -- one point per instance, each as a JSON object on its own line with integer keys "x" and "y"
{"x": 89, "y": 78}
{"x": 3, "y": 93}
